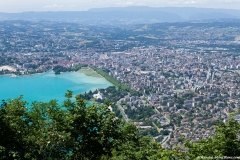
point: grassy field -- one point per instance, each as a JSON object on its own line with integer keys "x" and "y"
{"x": 110, "y": 79}
{"x": 89, "y": 72}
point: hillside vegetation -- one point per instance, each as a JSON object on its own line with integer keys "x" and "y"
{"x": 74, "y": 131}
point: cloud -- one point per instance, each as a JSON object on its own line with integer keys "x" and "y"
{"x": 125, "y": 4}
{"x": 190, "y": 2}
{"x": 72, "y": 6}
{"x": 53, "y": 6}
{"x": 227, "y": 1}
{"x": 141, "y": 4}
{"x": 129, "y": 3}
{"x": 173, "y": 3}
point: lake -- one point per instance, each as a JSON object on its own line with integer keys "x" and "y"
{"x": 47, "y": 86}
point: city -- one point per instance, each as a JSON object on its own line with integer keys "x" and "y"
{"x": 186, "y": 74}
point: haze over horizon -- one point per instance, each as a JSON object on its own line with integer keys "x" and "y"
{"x": 16, "y": 6}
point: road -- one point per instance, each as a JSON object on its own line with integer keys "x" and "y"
{"x": 122, "y": 110}
{"x": 165, "y": 139}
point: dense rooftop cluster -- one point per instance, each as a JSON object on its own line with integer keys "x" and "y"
{"x": 191, "y": 91}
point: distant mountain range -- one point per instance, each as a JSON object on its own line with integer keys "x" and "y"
{"x": 128, "y": 15}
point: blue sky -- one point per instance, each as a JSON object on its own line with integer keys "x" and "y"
{"x": 81, "y": 5}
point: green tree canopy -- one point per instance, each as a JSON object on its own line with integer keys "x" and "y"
{"x": 225, "y": 142}
{"x": 68, "y": 131}
{"x": 76, "y": 131}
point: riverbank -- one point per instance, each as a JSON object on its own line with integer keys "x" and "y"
{"x": 9, "y": 68}
{"x": 22, "y": 75}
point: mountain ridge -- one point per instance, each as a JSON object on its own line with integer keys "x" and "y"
{"x": 127, "y": 15}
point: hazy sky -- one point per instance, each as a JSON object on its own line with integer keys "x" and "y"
{"x": 80, "y": 5}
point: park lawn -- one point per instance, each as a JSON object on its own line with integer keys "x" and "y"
{"x": 89, "y": 72}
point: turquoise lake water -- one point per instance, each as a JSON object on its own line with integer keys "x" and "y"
{"x": 47, "y": 86}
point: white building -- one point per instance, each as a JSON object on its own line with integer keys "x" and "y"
{"x": 99, "y": 95}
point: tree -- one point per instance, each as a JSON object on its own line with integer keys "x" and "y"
{"x": 51, "y": 131}
{"x": 12, "y": 129}
{"x": 94, "y": 129}
{"x": 36, "y": 133}
{"x": 69, "y": 131}
{"x": 134, "y": 147}
{"x": 224, "y": 143}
